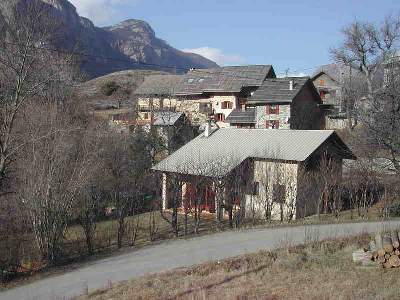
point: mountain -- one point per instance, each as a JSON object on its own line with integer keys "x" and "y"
{"x": 115, "y": 48}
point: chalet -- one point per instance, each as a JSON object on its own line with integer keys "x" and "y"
{"x": 250, "y": 170}
{"x": 330, "y": 81}
{"x": 202, "y": 92}
{"x": 281, "y": 103}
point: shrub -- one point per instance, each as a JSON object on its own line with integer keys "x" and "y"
{"x": 109, "y": 88}
{"x": 393, "y": 210}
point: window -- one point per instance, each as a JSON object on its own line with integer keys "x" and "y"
{"x": 321, "y": 82}
{"x": 201, "y": 80}
{"x": 273, "y": 124}
{"x": 226, "y": 105}
{"x": 220, "y": 117}
{"x": 255, "y": 189}
{"x": 190, "y": 80}
{"x": 145, "y": 116}
{"x": 205, "y": 107}
{"x": 272, "y": 109}
{"x": 279, "y": 193}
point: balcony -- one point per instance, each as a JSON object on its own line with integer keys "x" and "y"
{"x": 149, "y": 108}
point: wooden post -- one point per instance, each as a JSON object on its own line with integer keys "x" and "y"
{"x": 164, "y": 195}
{"x": 218, "y": 201}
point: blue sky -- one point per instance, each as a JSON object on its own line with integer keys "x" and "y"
{"x": 288, "y": 34}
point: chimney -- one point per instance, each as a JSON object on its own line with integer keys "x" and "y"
{"x": 291, "y": 85}
{"x": 207, "y": 130}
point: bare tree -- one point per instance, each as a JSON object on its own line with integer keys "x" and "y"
{"x": 127, "y": 161}
{"x": 54, "y": 168}
{"x": 26, "y": 70}
{"x": 327, "y": 174}
{"x": 372, "y": 50}
{"x": 174, "y": 183}
{"x": 89, "y": 206}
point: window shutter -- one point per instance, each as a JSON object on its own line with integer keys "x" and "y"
{"x": 266, "y": 124}
{"x": 267, "y": 109}
{"x": 276, "y": 124}
{"x": 277, "y": 109}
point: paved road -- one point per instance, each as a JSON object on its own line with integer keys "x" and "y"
{"x": 180, "y": 253}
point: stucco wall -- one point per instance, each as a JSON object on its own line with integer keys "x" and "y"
{"x": 268, "y": 174}
{"x": 191, "y": 106}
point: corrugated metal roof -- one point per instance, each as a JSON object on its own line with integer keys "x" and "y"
{"x": 239, "y": 116}
{"x": 278, "y": 90}
{"x": 225, "y": 149}
{"x": 166, "y": 118}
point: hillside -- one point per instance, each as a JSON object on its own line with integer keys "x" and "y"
{"x": 110, "y": 49}
{"x": 94, "y": 91}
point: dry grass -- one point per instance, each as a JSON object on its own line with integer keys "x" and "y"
{"x": 320, "y": 270}
{"x": 106, "y": 231}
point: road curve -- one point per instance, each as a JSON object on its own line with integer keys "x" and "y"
{"x": 181, "y": 253}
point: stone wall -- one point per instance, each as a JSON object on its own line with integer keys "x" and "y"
{"x": 283, "y": 117}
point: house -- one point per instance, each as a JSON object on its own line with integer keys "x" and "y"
{"x": 281, "y": 103}
{"x": 256, "y": 171}
{"x": 154, "y": 94}
{"x": 173, "y": 129}
{"x": 331, "y": 81}
{"x": 202, "y": 92}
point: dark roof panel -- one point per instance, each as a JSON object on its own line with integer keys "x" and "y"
{"x": 278, "y": 90}
{"x": 225, "y": 79}
{"x": 239, "y": 116}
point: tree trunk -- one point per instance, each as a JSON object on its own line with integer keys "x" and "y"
{"x": 121, "y": 232}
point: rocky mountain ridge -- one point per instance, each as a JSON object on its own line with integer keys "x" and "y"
{"x": 131, "y": 44}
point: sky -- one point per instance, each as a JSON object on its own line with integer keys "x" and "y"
{"x": 293, "y": 35}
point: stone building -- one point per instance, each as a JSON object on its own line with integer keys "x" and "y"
{"x": 333, "y": 82}
{"x": 252, "y": 171}
{"x": 202, "y": 92}
{"x": 281, "y": 103}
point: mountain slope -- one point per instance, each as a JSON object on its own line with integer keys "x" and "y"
{"x": 127, "y": 82}
{"x": 115, "y": 48}
{"x": 137, "y": 40}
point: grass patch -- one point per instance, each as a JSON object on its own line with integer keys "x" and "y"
{"x": 319, "y": 270}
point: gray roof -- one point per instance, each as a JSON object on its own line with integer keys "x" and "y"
{"x": 225, "y": 149}
{"x": 161, "y": 85}
{"x": 224, "y": 79}
{"x": 166, "y": 118}
{"x": 199, "y": 81}
{"x": 239, "y": 116}
{"x": 338, "y": 72}
{"x": 277, "y": 90}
